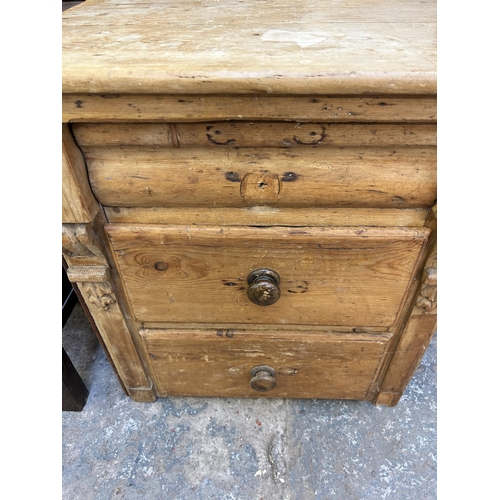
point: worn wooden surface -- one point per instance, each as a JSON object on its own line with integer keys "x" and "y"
{"x": 84, "y": 251}
{"x": 218, "y": 362}
{"x": 269, "y": 216}
{"x": 337, "y": 177}
{"x": 314, "y": 123}
{"x": 416, "y": 325}
{"x": 78, "y": 202}
{"x": 254, "y": 134}
{"x": 330, "y": 276}
{"x": 284, "y": 46}
{"x": 201, "y": 108}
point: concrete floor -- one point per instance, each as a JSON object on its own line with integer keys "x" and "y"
{"x": 214, "y": 448}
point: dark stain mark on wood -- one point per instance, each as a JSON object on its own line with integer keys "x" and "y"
{"x": 233, "y": 176}
{"x": 398, "y": 199}
{"x": 297, "y": 232}
{"x": 230, "y": 283}
{"x": 300, "y": 288}
{"x": 219, "y": 333}
{"x": 226, "y": 143}
{"x": 138, "y": 177}
{"x": 285, "y": 370}
{"x": 289, "y": 177}
{"x": 152, "y": 356}
{"x": 78, "y": 104}
{"x": 161, "y": 266}
{"x": 313, "y": 133}
{"x": 230, "y": 333}
{"x": 110, "y": 96}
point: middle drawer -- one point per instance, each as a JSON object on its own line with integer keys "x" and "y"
{"x": 357, "y": 276}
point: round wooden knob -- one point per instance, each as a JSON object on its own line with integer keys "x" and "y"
{"x": 263, "y": 378}
{"x": 263, "y": 289}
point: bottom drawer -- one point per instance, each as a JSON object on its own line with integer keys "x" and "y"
{"x": 241, "y": 363}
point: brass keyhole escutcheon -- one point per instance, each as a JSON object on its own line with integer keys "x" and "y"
{"x": 263, "y": 378}
{"x": 263, "y": 287}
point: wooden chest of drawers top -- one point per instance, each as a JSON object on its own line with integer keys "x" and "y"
{"x": 255, "y": 47}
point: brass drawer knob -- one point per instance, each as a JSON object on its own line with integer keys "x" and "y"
{"x": 263, "y": 289}
{"x": 263, "y": 378}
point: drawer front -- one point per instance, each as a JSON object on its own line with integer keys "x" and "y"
{"x": 147, "y": 176}
{"x": 254, "y": 134}
{"x": 220, "y": 363}
{"x": 327, "y": 276}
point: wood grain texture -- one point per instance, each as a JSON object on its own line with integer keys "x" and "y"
{"x": 105, "y": 311}
{"x": 254, "y": 134}
{"x": 81, "y": 246}
{"x": 320, "y": 177}
{"x": 284, "y": 46}
{"x": 416, "y": 325}
{"x": 165, "y": 325}
{"x": 202, "y": 108}
{"x": 213, "y": 363}
{"x": 78, "y": 201}
{"x": 329, "y": 276}
{"x": 415, "y": 340}
{"x": 94, "y": 274}
{"x": 85, "y": 252}
{"x": 269, "y": 216}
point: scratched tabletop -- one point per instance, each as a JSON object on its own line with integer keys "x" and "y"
{"x": 250, "y": 46}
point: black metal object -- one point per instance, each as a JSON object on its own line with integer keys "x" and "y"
{"x": 74, "y": 391}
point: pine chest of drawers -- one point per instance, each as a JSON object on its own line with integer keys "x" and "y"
{"x": 249, "y": 193}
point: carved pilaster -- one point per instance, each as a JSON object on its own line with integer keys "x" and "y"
{"x": 427, "y": 300}
{"x": 99, "y": 294}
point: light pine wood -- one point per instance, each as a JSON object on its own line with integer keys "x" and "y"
{"x": 286, "y": 46}
{"x": 415, "y": 327}
{"x": 88, "y": 267}
{"x": 415, "y": 340}
{"x": 322, "y": 177}
{"x": 197, "y": 108}
{"x": 219, "y": 137}
{"x": 254, "y": 134}
{"x": 269, "y": 216}
{"x": 78, "y": 202}
{"x": 94, "y": 274}
{"x": 165, "y": 325}
{"x": 326, "y": 273}
{"x": 218, "y": 362}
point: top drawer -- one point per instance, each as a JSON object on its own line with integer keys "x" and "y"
{"x": 245, "y": 164}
